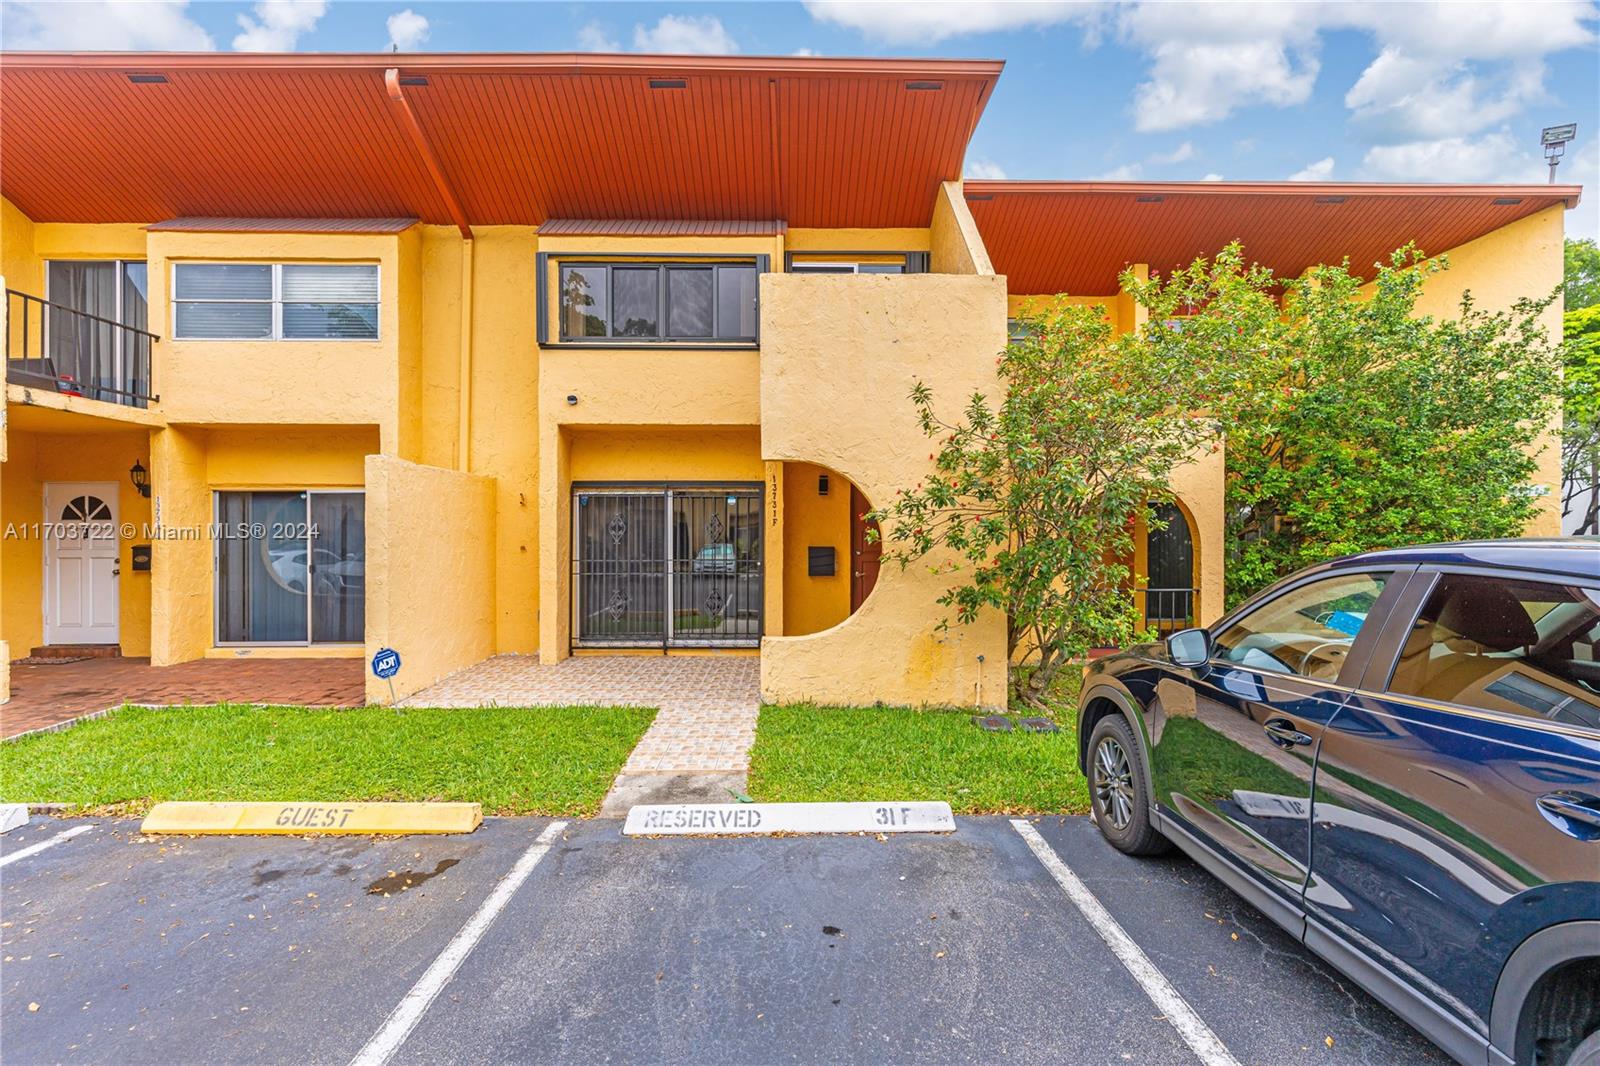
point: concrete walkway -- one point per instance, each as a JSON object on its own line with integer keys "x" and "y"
{"x": 698, "y": 748}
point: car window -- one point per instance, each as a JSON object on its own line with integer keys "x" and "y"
{"x": 1509, "y": 645}
{"x": 1307, "y": 631}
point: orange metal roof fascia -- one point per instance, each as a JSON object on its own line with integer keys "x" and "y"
{"x": 510, "y": 63}
{"x": 408, "y": 119}
{"x": 849, "y": 146}
{"x": 1568, "y": 193}
{"x": 1075, "y": 237}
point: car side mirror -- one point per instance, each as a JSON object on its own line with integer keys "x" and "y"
{"x": 1189, "y": 648}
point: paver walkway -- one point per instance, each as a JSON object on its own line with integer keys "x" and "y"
{"x": 707, "y": 704}
{"x": 45, "y": 696}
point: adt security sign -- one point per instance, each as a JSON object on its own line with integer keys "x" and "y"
{"x": 386, "y": 663}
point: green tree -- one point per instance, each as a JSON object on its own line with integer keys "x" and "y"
{"x": 1581, "y": 262}
{"x": 1036, "y": 493}
{"x": 1580, "y": 435}
{"x": 1365, "y": 425}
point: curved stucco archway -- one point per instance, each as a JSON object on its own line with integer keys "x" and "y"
{"x": 830, "y": 565}
{"x": 871, "y": 338}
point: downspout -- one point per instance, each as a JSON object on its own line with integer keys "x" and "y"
{"x": 464, "y": 391}
{"x": 408, "y": 119}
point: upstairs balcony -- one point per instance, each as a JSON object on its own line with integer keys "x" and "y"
{"x": 55, "y": 347}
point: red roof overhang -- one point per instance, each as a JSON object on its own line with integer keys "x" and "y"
{"x": 1076, "y": 237}
{"x": 141, "y": 137}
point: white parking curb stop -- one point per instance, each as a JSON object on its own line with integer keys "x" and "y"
{"x": 13, "y": 816}
{"x": 766, "y": 819}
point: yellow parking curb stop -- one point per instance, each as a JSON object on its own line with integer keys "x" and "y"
{"x": 359, "y": 819}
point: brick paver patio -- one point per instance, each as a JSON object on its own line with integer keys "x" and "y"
{"x": 43, "y": 696}
{"x": 707, "y": 704}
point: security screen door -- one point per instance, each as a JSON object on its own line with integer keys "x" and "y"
{"x": 676, "y": 567}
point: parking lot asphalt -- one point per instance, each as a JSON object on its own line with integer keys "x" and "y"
{"x": 956, "y": 948}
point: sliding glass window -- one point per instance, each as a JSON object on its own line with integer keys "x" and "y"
{"x": 275, "y": 301}
{"x": 291, "y": 567}
{"x": 648, "y": 302}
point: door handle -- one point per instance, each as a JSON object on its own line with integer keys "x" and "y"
{"x": 1282, "y": 732}
{"x": 1573, "y": 806}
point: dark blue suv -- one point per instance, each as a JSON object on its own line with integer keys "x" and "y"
{"x": 1395, "y": 756}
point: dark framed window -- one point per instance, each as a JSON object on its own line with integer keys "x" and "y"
{"x": 667, "y": 301}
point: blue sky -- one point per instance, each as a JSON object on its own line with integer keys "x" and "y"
{"x": 1237, "y": 91}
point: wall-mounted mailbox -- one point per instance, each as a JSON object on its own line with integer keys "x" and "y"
{"x": 819, "y": 562}
{"x": 139, "y": 557}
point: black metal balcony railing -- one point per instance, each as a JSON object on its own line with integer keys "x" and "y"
{"x": 1166, "y": 610}
{"x": 75, "y": 353}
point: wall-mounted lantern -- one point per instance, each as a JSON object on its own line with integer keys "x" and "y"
{"x": 140, "y": 478}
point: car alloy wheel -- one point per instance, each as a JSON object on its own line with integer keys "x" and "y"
{"x": 1113, "y": 783}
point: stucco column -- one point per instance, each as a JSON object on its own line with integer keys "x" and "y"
{"x": 180, "y": 565}
{"x": 1131, "y": 315}
{"x": 555, "y": 545}
{"x": 772, "y": 548}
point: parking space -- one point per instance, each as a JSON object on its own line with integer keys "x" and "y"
{"x": 957, "y": 948}
{"x": 226, "y": 949}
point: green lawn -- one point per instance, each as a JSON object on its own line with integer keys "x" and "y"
{"x": 544, "y": 760}
{"x": 837, "y": 753}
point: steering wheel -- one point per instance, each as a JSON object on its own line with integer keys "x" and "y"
{"x": 1305, "y": 660}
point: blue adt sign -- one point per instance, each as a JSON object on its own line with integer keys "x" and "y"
{"x": 386, "y": 663}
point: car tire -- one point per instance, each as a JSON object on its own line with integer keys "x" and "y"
{"x": 1119, "y": 791}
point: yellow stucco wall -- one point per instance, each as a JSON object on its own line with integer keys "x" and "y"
{"x": 811, "y": 604}
{"x": 435, "y": 607}
{"x": 282, "y": 381}
{"x": 37, "y": 458}
{"x": 1519, "y": 261}
{"x": 870, "y": 337}
{"x": 623, "y": 392}
{"x": 954, "y": 241}
{"x": 190, "y": 463}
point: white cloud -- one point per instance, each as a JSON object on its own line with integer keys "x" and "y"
{"x": 277, "y": 25}
{"x": 984, "y": 169}
{"x": 594, "y": 38}
{"x": 106, "y": 25}
{"x": 1213, "y": 176}
{"x": 407, "y": 30}
{"x": 1401, "y": 97}
{"x": 684, "y": 35}
{"x": 1493, "y": 157}
{"x": 1209, "y": 59}
{"x": 921, "y": 22}
{"x": 1183, "y": 152}
{"x": 1126, "y": 172}
{"x": 1321, "y": 170}
{"x": 805, "y": 52}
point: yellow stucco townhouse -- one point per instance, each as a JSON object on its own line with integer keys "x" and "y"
{"x": 311, "y": 355}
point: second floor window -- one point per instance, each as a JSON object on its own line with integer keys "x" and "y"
{"x": 658, "y": 302}
{"x": 275, "y": 301}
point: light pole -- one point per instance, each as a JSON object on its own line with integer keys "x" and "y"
{"x": 1555, "y": 140}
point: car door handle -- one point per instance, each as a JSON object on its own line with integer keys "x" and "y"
{"x": 1283, "y": 733}
{"x": 1573, "y": 806}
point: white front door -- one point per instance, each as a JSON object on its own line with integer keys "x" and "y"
{"x": 81, "y": 556}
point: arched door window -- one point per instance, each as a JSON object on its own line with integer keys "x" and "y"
{"x": 86, "y": 509}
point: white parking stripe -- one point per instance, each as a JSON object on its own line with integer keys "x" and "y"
{"x": 404, "y": 1018}
{"x": 34, "y": 849}
{"x": 1195, "y": 1032}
